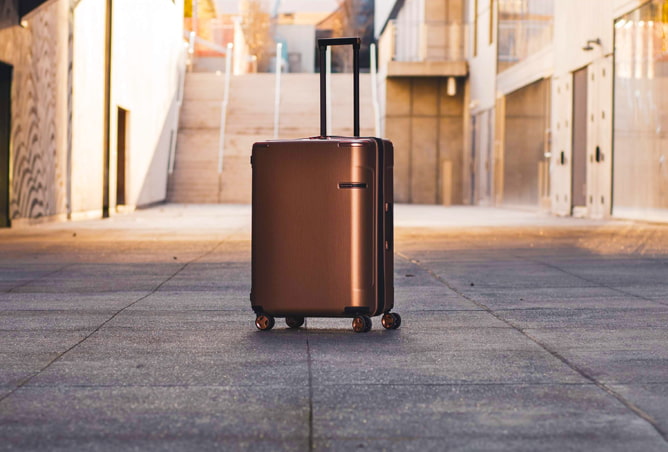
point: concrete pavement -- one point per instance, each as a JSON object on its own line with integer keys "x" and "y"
{"x": 521, "y": 332}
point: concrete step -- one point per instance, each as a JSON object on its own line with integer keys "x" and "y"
{"x": 205, "y": 86}
{"x": 197, "y": 145}
{"x": 242, "y": 145}
{"x": 200, "y": 114}
{"x": 250, "y": 118}
{"x": 236, "y": 183}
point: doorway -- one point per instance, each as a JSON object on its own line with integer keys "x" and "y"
{"x": 579, "y": 167}
{"x": 121, "y": 156}
{"x": 524, "y": 141}
{"x": 5, "y": 132}
{"x": 599, "y": 144}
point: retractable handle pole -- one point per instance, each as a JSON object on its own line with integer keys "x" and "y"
{"x": 322, "y": 47}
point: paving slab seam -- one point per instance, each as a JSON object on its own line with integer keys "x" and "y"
{"x": 310, "y": 389}
{"x": 598, "y": 284}
{"x": 46, "y": 275}
{"x": 628, "y": 404}
{"x": 29, "y": 378}
{"x": 536, "y": 309}
{"x": 462, "y": 383}
{"x": 442, "y": 310}
{"x": 157, "y": 386}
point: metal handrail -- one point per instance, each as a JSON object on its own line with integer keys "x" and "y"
{"x": 179, "y": 102}
{"x": 277, "y": 92}
{"x": 192, "y": 38}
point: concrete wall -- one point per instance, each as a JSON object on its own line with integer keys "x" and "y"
{"x": 147, "y": 75}
{"x": 482, "y": 62}
{"x": 426, "y": 127}
{"x": 146, "y": 55}
{"x": 39, "y": 109}
{"x": 57, "y": 130}
{"x": 575, "y": 23}
{"x": 88, "y": 108}
{"x": 481, "y": 101}
{"x": 381, "y": 13}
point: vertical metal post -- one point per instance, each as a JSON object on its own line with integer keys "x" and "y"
{"x": 356, "y": 88}
{"x": 323, "y": 92}
{"x": 106, "y": 152}
{"x": 277, "y": 92}
{"x": 194, "y": 7}
{"x": 374, "y": 91}
{"x": 191, "y": 48}
{"x": 329, "y": 89}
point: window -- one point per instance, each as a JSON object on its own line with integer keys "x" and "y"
{"x": 640, "y": 178}
{"x": 524, "y": 27}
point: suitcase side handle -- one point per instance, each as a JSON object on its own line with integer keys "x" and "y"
{"x": 322, "y": 47}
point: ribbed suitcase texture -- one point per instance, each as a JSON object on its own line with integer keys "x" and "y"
{"x": 322, "y": 229}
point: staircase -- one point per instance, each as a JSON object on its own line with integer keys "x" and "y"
{"x": 250, "y": 118}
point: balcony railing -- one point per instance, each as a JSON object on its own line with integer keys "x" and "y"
{"x": 518, "y": 39}
{"x": 420, "y": 41}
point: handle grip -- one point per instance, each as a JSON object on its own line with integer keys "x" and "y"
{"x": 322, "y": 47}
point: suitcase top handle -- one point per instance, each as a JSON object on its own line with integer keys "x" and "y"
{"x": 322, "y": 47}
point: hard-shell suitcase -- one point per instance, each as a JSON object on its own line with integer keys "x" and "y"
{"x": 322, "y": 224}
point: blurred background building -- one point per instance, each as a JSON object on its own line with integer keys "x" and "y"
{"x": 559, "y": 106}
{"x": 564, "y": 106}
{"x": 424, "y": 77}
{"x": 89, "y": 95}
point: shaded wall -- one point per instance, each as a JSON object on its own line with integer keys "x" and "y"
{"x": 57, "y": 103}
{"x": 426, "y": 128}
{"x": 39, "y": 127}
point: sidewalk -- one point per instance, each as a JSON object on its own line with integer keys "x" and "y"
{"x": 520, "y": 332}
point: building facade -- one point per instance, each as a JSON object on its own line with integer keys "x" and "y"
{"x": 423, "y": 69}
{"x": 564, "y": 105}
{"x": 580, "y": 111}
{"x": 89, "y": 93}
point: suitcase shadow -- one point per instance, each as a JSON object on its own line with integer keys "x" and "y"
{"x": 339, "y": 334}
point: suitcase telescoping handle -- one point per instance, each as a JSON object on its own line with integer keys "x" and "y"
{"x": 322, "y": 47}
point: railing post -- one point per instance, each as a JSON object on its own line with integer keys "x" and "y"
{"x": 194, "y": 8}
{"x": 191, "y": 49}
{"x": 277, "y": 89}
{"x": 223, "y": 112}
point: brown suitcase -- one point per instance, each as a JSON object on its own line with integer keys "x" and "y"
{"x": 322, "y": 224}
